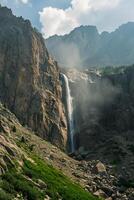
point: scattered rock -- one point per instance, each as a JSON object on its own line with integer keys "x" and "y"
{"x": 109, "y": 191}
{"x": 47, "y": 197}
{"x": 4, "y": 128}
{"x": 42, "y": 184}
{"x": 100, "y": 168}
{"x": 100, "y": 193}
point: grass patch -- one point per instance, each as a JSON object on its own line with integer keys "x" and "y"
{"x": 14, "y": 183}
{"x": 27, "y": 181}
{"x": 58, "y": 185}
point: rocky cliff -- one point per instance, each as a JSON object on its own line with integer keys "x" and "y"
{"x": 29, "y": 79}
{"x": 104, "y": 115}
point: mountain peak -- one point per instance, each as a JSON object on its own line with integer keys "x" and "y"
{"x": 4, "y": 11}
{"x": 85, "y": 29}
{"x": 127, "y": 27}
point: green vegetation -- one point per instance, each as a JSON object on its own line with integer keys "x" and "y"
{"x": 112, "y": 70}
{"x": 25, "y": 183}
{"x": 4, "y": 195}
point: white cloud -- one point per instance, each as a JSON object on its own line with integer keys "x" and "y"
{"x": 59, "y": 21}
{"x": 22, "y": 1}
{"x": 6, "y": 2}
{"x": 56, "y": 21}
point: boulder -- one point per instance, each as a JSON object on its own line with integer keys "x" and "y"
{"x": 100, "y": 193}
{"x": 100, "y": 168}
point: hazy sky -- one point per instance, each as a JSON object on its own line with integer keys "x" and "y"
{"x": 61, "y": 16}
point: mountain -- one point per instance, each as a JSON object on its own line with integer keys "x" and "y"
{"x": 41, "y": 105}
{"x": 32, "y": 111}
{"x": 85, "y": 47}
{"x": 30, "y": 84}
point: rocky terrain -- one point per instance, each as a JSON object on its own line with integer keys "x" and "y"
{"x": 90, "y": 48}
{"x": 29, "y": 79}
{"x": 21, "y": 167}
{"x": 18, "y": 143}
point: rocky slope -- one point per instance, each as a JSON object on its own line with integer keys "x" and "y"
{"x": 26, "y": 172}
{"x": 29, "y": 79}
{"x": 89, "y": 48}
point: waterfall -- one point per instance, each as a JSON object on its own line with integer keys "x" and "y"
{"x": 70, "y": 112}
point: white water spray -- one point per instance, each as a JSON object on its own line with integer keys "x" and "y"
{"x": 70, "y": 112}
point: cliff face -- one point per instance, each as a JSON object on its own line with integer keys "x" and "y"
{"x": 29, "y": 79}
{"x": 104, "y": 115}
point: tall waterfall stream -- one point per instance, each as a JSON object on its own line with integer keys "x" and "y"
{"x": 70, "y": 112}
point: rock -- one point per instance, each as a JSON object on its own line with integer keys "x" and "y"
{"x": 47, "y": 197}
{"x": 100, "y": 168}
{"x": 10, "y": 150}
{"x": 109, "y": 191}
{"x": 42, "y": 184}
{"x": 8, "y": 161}
{"x": 88, "y": 187}
{"x": 100, "y": 193}
{"x": 4, "y": 127}
{"x": 2, "y": 171}
{"x": 78, "y": 174}
{"x": 30, "y": 84}
{"x": 79, "y": 157}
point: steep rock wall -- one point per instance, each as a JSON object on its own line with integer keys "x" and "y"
{"x": 29, "y": 79}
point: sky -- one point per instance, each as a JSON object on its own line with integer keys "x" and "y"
{"x": 61, "y": 16}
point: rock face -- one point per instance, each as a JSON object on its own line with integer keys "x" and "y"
{"x": 89, "y": 48}
{"x": 29, "y": 79}
{"x": 9, "y": 152}
{"x": 104, "y": 129}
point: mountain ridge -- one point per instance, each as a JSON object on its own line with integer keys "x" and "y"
{"x": 93, "y": 48}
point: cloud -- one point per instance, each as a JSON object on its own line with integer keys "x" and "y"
{"x": 7, "y": 2}
{"x": 56, "y": 21}
{"x": 23, "y": 1}
{"x": 62, "y": 21}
